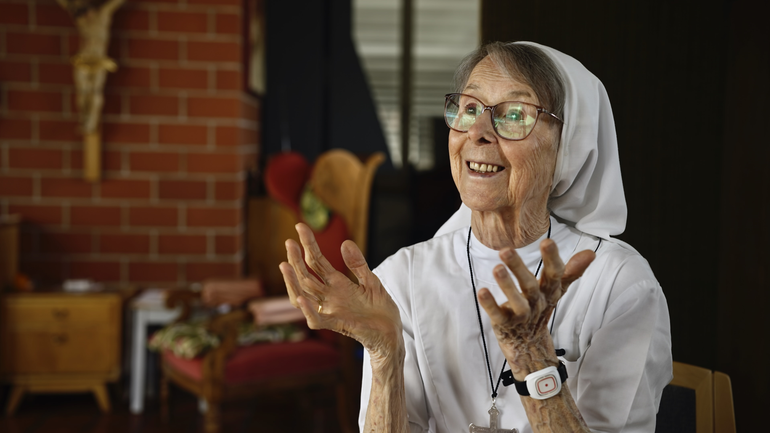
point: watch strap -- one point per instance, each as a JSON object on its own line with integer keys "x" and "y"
{"x": 521, "y": 387}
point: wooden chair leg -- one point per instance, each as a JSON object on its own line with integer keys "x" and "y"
{"x": 14, "y": 399}
{"x": 213, "y": 418}
{"x": 102, "y": 398}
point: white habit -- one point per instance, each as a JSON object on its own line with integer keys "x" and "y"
{"x": 613, "y": 323}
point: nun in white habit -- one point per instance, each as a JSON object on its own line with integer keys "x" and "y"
{"x": 484, "y": 328}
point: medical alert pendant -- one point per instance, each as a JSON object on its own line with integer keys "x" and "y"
{"x": 493, "y": 415}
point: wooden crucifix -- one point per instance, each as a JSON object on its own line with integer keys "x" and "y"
{"x": 90, "y": 67}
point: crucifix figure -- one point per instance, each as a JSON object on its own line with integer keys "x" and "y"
{"x": 90, "y": 67}
{"x": 493, "y": 415}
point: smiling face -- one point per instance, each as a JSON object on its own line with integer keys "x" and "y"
{"x": 492, "y": 174}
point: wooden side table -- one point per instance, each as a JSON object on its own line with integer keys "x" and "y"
{"x": 60, "y": 342}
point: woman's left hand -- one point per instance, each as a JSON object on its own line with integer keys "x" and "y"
{"x": 521, "y": 323}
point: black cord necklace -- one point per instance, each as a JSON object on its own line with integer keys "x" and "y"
{"x": 478, "y": 312}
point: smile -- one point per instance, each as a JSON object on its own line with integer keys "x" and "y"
{"x": 484, "y": 168}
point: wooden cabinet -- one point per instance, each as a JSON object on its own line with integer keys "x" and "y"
{"x": 60, "y": 342}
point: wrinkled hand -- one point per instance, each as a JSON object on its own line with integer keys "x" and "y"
{"x": 363, "y": 311}
{"x": 521, "y": 323}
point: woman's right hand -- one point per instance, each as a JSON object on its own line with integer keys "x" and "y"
{"x": 363, "y": 311}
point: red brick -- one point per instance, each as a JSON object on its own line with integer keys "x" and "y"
{"x": 131, "y": 19}
{"x": 155, "y": 272}
{"x": 45, "y": 271}
{"x": 153, "y": 49}
{"x": 183, "y": 134}
{"x": 69, "y": 243}
{"x": 110, "y": 161}
{"x": 52, "y": 15}
{"x": 55, "y": 73}
{"x": 213, "y": 217}
{"x": 35, "y": 158}
{"x": 249, "y": 110}
{"x": 15, "y": 71}
{"x": 213, "y": 51}
{"x": 183, "y": 78}
{"x": 16, "y": 186}
{"x": 153, "y": 216}
{"x": 14, "y": 13}
{"x": 59, "y": 130}
{"x": 202, "y": 271}
{"x": 213, "y": 107}
{"x": 125, "y": 188}
{"x": 93, "y": 270}
{"x": 37, "y": 214}
{"x": 186, "y": 22}
{"x": 249, "y": 136}
{"x": 113, "y": 103}
{"x": 145, "y": 161}
{"x": 18, "y": 129}
{"x": 229, "y": 23}
{"x": 182, "y": 189}
{"x": 229, "y": 80}
{"x": 125, "y": 133}
{"x": 34, "y": 100}
{"x": 228, "y": 244}
{"x": 225, "y": 190}
{"x": 124, "y": 244}
{"x": 214, "y": 163}
{"x": 127, "y": 76}
{"x": 95, "y": 216}
{"x": 33, "y": 43}
{"x": 65, "y": 187}
{"x": 154, "y": 105}
{"x": 182, "y": 244}
{"x": 227, "y": 136}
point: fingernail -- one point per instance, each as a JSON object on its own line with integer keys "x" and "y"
{"x": 506, "y": 254}
{"x": 500, "y": 271}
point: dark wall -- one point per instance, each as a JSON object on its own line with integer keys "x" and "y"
{"x": 688, "y": 85}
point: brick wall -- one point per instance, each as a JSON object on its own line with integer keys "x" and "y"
{"x": 178, "y": 133}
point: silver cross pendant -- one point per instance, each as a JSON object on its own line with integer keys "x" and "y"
{"x": 493, "y": 415}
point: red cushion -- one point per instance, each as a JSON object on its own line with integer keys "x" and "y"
{"x": 265, "y": 361}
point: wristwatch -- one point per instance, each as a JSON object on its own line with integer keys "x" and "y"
{"x": 541, "y": 384}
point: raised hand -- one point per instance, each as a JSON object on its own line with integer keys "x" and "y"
{"x": 362, "y": 310}
{"x": 521, "y": 323}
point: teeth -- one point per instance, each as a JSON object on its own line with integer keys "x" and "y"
{"x": 483, "y": 168}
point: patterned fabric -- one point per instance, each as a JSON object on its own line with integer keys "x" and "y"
{"x": 192, "y": 339}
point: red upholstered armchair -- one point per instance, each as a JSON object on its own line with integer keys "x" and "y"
{"x": 341, "y": 182}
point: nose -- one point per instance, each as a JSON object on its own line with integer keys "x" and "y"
{"x": 482, "y": 132}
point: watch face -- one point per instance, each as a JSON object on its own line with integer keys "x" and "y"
{"x": 546, "y": 385}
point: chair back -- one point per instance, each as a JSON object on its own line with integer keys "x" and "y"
{"x": 342, "y": 181}
{"x": 696, "y": 401}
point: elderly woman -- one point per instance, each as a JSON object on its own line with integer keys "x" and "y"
{"x": 534, "y": 156}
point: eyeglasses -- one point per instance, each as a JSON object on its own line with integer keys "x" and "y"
{"x": 511, "y": 120}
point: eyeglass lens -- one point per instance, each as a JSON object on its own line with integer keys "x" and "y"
{"x": 511, "y": 120}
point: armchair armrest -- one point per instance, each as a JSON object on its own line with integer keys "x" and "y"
{"x": 272, "y": 311}
{"x": 182, "y": 298}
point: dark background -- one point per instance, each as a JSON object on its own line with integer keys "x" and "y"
{"x": 688, "y": 82}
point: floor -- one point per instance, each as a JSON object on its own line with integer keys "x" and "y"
{"x": 78, "y": 413}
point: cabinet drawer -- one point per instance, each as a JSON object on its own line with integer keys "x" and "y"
{"x": 61, "y": 310}
{"x": 39, "y": 351}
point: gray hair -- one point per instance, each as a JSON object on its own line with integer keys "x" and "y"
{"x": 522, "y": 62}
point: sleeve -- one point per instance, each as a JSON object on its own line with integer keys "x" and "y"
{"x": 416, "y": 402}
{"x": 628, "y": 362}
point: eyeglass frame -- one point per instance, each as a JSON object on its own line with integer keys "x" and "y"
{"x": 540, "y": 110}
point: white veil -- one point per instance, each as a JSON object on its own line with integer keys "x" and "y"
{"x": 587, "y": 190}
